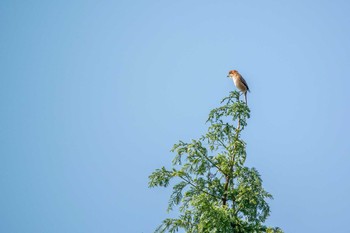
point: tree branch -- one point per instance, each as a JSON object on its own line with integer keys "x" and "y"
{"x": 193, "y": 185}
{"x": 224, "y": 198}
{"x": 223, "y": 145}
{"x": 207, "y": 158}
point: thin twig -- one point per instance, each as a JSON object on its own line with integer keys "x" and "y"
{"x": 212, "y": 162}
{"x": 189, "y": 182}
{"x": 223, "y": 144}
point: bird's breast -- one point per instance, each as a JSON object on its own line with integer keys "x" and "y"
{"x": 238, "y": 83}
{"x": 235, "y": 81}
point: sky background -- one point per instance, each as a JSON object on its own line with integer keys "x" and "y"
{"x": 94, "y": 94}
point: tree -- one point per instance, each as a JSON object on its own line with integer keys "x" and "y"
{"x": 215, "y": 192}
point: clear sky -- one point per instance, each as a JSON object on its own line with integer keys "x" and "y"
{"x": 94, "y": 94}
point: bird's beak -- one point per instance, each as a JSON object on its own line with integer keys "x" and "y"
{"x": 228, "y": 76}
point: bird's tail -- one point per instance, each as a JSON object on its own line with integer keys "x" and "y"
{"x": 245, "y": 98}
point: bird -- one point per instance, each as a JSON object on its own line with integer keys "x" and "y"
{"x": 239, "y": 82}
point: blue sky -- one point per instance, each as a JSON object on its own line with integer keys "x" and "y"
{"x": 94, "y": 94}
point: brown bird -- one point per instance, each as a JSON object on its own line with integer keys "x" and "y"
{"x": 239, "y": 82}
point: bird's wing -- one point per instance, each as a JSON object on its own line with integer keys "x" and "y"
{"x": 245, "y": 83}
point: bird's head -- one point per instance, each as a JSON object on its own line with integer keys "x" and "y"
{"x": 232, "y": 73}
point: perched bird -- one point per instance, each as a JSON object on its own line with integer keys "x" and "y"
{"x": 240, "y": 83}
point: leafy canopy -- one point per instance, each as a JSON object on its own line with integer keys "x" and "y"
{"x": 215, "y": 192}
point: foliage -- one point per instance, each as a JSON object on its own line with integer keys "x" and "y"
{"x": 215, "y": 192}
